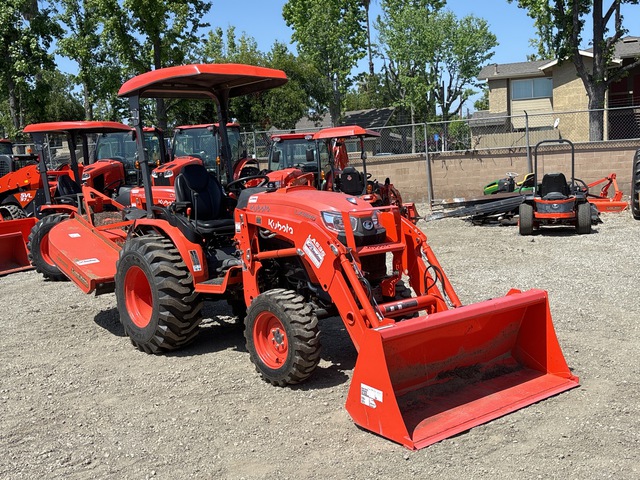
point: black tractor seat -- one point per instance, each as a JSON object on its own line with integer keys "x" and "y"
{"x": 198, "y": 190}
{"x": 351, "y": 181}
{"x": 554, "y": 187}
{"x": 67, "y": 190}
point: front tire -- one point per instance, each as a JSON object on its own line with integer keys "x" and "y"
{"x": 12, "y": 212}
{"x": 158, "y": 306}
{"x": 525, "y": 221}
{"x": 583, "y": 223}
{"x": 38, "y": 246}
{"x": 282, "y": 337}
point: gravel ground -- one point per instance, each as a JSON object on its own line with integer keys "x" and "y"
{"x": 78, "y": 401}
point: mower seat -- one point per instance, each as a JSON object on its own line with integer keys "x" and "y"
{"x": 351, "y": 181}
{"x": 554, "y": 187}
{"x": 202, "y": 192}
{"x": 67, "y": 190}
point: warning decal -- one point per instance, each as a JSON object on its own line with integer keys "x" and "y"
{"x": 369, "y": 395}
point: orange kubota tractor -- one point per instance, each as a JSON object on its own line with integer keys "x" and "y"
{"x": 44, "y": 187}
{"x": 309, "y": 153}
{"x": 348, "y": 179}
{"x": 427, "y": 368}
{"x": 201, "y": 144}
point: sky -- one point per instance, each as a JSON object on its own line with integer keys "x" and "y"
{"x": 511, "y": 25}
{"x": 262, "y": 20}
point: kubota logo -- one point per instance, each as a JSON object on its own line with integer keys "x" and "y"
{"x": 280, "y": 227}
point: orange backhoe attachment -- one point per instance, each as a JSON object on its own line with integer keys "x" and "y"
{"x": 425, "y": 379}
{"x": 14, "y": 235}
{"x": 605, "y": 203}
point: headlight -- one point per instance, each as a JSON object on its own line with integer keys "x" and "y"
{"x": 86, "y": 176}
{"x": 375, "y": 219}
{"x": 154, "y": 174}
{"x": 333, "y": 221}
{"x": 168, "y": 173}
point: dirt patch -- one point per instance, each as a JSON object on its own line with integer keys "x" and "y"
{"x": 78, "y": 401}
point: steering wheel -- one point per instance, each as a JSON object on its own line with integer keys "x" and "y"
{"x": 511, "y": 174}
{"x": 240, "y": 183}
{"x": 62, "y": 167}
{"x": 580, "y": 186}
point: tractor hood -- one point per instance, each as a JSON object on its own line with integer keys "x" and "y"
{"x": 302, "y": 198}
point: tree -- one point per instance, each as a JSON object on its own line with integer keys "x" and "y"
{"x": 26, "y": 35}
{"x": 483, "y": 102}
{"x": 566, "y": 18}
{"x": 282, "y": 107}
{"x": 331, "y": 35}
{"x": 439, "y": 66}
{"x": 97, "y": 75}
{"x": 464, "y": 45}
{"x": 409, "y": 47}
{"x": 152, "y": 34}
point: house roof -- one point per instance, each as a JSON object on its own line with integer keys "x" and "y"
{"x": 627, "y": 47}
{"x": 512, "y": 70}
{"x": 370, "y": 118}
{"x": 484, "y": 118}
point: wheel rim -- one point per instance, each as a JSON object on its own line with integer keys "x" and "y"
{"x": 270, "y": 340}
{"x": 138, "y": 297}
{"x": 44, "y": 250}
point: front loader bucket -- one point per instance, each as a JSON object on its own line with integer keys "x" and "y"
{"x": 425, "y": 379}
{"x": 14, "y": 235}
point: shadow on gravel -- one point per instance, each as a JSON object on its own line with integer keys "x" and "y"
{"x": 220, "y": 330}
{"x": 110, "y": 321}
{"x": 338, "y": 350}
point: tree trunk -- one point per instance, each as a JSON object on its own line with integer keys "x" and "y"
{"x": 366, "y": 7}
{"x": 335, "y": 106}
{"x": 161, "y": 108}
{"x": 88, "y": 106}
{"x": 13, "y": 104}
{"x": 596, "y": 111}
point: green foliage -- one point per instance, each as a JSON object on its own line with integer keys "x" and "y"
{"x": 483, "y": 102}
{"x": 282, "y": 107}
{"x": 26, "y": 35}
{"x": 151, "y": 34}
{"x": 440, "y": 64}
{"x": 331, "y": 35}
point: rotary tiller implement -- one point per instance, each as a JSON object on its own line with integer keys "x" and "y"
{"x": 427, "y": 366}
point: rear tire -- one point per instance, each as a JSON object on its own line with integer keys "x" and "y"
{"x": 282, "y": 337}
{"x": 525, "y": 222}
{"x": 635, "y": 186}
{"x": 158, "y": 306}
{"x": 12, "y": 212}
{"x": 38, "y": 246}
{"x": 583, "y": 223}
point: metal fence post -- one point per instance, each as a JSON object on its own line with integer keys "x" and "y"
{"x": 526, "y": 135}
{"x": 429, "y": 177}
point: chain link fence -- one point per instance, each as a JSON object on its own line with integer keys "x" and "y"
{"x": 485, "y": 131}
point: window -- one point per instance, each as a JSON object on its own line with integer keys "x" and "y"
{"x": 531, "y": 88}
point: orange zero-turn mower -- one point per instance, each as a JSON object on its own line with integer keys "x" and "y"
{"x": 556, "y": 201}
{"x": 427, "y": 368}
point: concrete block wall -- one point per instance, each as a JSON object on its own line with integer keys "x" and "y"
{"x": 456, "y": 175}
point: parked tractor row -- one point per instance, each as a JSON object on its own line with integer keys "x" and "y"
{"x": 286, "y": 249}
